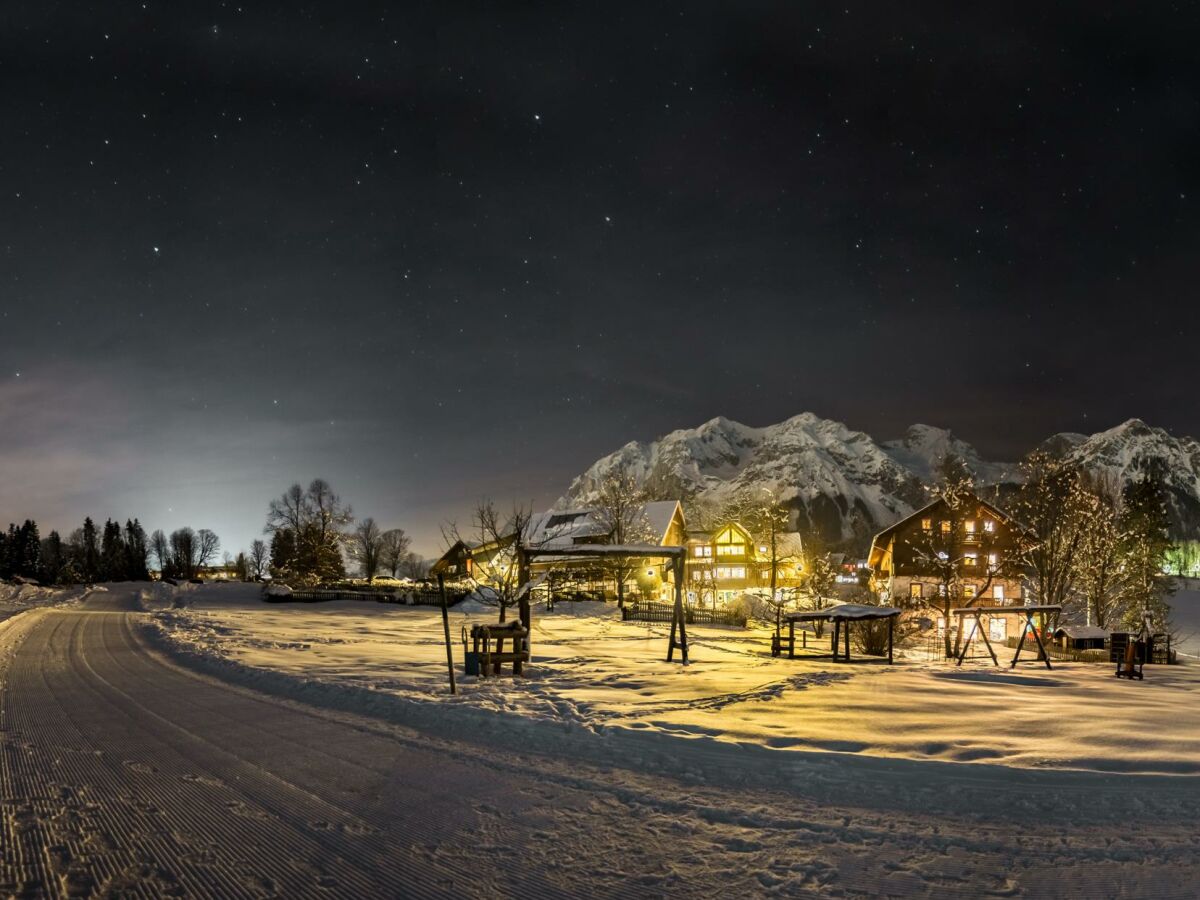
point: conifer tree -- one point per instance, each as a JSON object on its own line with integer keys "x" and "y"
{"x": 88, "y": 551}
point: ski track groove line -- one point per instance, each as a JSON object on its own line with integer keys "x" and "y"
{"x": 107, "y": 790}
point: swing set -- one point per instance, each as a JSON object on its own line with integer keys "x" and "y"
{"x": 975, "y": 614}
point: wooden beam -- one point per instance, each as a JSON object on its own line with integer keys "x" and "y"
{"x": 446, "y": 630}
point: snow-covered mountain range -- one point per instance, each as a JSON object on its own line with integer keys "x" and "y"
{"x": 848, "y": 486}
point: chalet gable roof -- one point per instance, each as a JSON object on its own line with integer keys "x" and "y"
{"x": 881, "y": 540}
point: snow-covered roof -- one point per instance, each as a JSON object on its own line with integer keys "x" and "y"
{"x": 583, "y": 551}
{"x": 1078, "y": 632}
{"x": 557, "y": 528}
{"x": 846, "y": 611}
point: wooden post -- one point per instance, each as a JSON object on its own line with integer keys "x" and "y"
{"x": 791, "y": 638}
{"x": 524, "y": 613}
{"x": 891, "y": 631}
{"x": 677, "y": 566}
{"x": 846, "y": 629}
{"x": 986, "y": 642}
{"x": 837, "y": 624}
{"x": 446, "y": 631}
{"x": 1021, "y": 640}
{"x": 1044, "y": 656}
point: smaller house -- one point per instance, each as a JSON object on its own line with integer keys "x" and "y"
{"x": 729, "y": 561}
{"x": 1081, "y": 637}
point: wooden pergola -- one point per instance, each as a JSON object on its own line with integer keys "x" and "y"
{"x": 676, "y": 556}
{"x": 841, "y": 617}
{"x": 1027, "y": 627}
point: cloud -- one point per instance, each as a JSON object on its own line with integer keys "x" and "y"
{"x": 63, "y": 439}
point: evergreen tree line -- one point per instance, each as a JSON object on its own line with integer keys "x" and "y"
{"x": 87, "y": 555}
{"x": 110, "y": 553}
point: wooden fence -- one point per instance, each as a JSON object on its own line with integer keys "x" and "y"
{"x": 414, "y": 598}
{"x": 638, "y": 611}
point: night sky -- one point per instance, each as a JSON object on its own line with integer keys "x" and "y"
{"x": 437, "y": 252}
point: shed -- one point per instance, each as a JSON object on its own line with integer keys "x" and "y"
{"x": 1081, "y": 637}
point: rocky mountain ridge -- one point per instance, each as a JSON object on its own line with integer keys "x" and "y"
{"x": 847, "y": 485}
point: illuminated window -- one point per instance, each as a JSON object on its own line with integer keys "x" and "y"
{"x": 998, "y": 629}
{"x": 729, "y": 572}
{"x": 945, "y": 527}
{"x": 766, "y": 574}
{"x": 914, "y": 591}
{"x": 970, "y": 526}
{"x": 762, "y": 548}
{"x": 993, "y": 559}
{"x": 970, "y": 559}
{"x": 927, "y": 524}
{"x": 989, "y": 526}
{"x": 697, "y": 575}
{"x": 731, "y": 549}
{"x": 998, "y": 593}
{"x": 969, "y": 591}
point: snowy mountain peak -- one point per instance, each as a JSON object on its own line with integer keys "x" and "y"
{"x": 835, "y": 479}
{"x": 924, "y": 447}
{"x": 842, "y": 483}
{"x": 1129, "y": 450}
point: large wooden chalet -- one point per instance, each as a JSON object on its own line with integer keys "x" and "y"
{"x": 969, "y": 552}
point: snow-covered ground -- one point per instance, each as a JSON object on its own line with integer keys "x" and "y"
{"x": 600, "y": 688}
{"x": 126, "y": 773}
{"x": 1185, "y": 612}
{"x": 15, "y": 598}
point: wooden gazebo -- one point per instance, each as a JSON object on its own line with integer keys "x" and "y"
{"x": 841, "y": 616}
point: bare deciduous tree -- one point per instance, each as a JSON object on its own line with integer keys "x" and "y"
{"x": 767, "y": 518}
{"x": 207, "y": 545}
{"x": 366, "y": 546}
{"x": 259, "y": 558}
{"x": 494, "y": 540}
{"x": 1101, "y": 576}
{"x": 1052, "y": 506}
{"x": 160, "y": 549}
{"x": 414, "y": 567}
{"x": 183, "y": 552}
{"x": 315, "y": 520}
{"x": 395, "y": 550}
{"x": 817, "y": 578}
{"x": 620, "y": 508}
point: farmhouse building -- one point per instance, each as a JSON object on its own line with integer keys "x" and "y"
{"x": 967, "y": 553}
